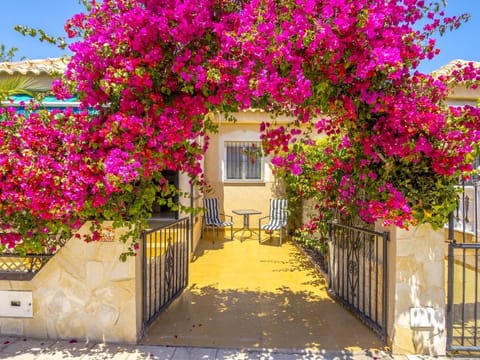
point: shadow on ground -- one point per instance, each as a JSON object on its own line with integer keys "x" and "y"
{"x": 282, "y": 319}
{"x": 243, "y": 294}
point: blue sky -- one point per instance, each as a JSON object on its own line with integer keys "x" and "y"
{"x": 463, "y": 43}
{"x": 50, "y": 15}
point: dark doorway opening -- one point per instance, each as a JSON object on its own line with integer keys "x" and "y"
{"x": 164, "y": 211}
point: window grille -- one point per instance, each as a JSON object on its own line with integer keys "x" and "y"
{"x": 244, "y": 161}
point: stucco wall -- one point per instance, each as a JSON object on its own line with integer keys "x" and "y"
{"x": 238, "y": 195}
{"x": 83, "y": 292}
{"x": 461, "y": 95}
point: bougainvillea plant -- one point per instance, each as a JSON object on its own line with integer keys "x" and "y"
{"x": 148, "y": 72}
{"x": 396, "y": 149}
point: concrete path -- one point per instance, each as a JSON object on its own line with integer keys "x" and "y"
{"x": 29, "y": 349}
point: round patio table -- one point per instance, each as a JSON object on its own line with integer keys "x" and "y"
{"x": 246, "y": 221}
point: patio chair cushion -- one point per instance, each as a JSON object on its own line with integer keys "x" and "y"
{"x": 212, "y": 215}
{"x": 278, "y": 214}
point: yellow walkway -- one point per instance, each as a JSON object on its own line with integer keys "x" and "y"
{"x": 246, "y": 294}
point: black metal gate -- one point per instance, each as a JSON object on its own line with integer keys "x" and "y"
{"x": 165, "y": 266}
{"x": 358, "y": 273}
{"x": 463, "y": 289}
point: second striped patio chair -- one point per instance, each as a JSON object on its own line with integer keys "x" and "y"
{"x": 277, "y": 218}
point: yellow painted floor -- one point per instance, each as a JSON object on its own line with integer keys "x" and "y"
{"x": 246, "y": 294}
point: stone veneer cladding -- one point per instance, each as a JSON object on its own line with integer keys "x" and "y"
{"x": 83, "y": 292}
{"x": 416, "y": 280}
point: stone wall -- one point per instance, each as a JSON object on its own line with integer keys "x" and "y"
{"x": 84, "y": 292}
{"x": 416, "y": 321}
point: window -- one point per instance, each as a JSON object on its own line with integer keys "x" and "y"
{"x": 244, "y": 161}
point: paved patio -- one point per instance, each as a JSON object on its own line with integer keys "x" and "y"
{"x": 243, "y": 294}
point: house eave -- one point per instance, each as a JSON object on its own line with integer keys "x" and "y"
{"x": 48, "y": 66}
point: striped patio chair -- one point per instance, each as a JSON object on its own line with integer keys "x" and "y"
{"x": 212, "y": 218}
{"x": 277, "y": 218}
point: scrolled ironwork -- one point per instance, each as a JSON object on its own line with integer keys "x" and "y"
{"x": 165, "y": 266}
{"x": 358, "y": 272}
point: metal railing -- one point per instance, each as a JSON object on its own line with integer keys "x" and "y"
{"x": 244, "y": 161}
{"x": 463, "y": 305}
{"x": 21, "y": 267}
{"x": 165, "y": 266}
{"x": 466, "y": 215}
{"x": 24, "y": 267}
{"x": 358, "y": 273}
{"x": 463, "y": 282}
